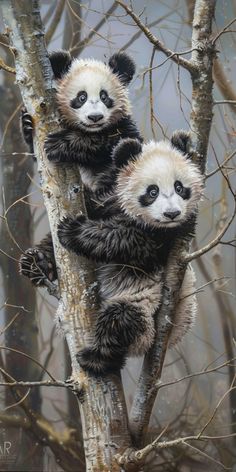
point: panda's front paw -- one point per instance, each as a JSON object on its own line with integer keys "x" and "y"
{"x": 54, "y": 147}
{"x": 35, "y": 265}
{"x": 64, "y": 230}
{"x": 69, "y": 228}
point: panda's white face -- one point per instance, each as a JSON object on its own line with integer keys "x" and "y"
{"x": 91, "y": 97}
{"x": 161, "y": 188}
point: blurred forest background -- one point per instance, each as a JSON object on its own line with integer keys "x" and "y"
{"x": 161, "y": 99}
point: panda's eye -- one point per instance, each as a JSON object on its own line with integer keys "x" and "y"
{"x": 178, "y": 187}
{"x": 153, "y": 191}
{"x": 82, "y": 97}
{"x": 103, "y": 95}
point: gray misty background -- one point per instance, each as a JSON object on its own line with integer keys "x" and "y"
{"x": 214, "y": 329}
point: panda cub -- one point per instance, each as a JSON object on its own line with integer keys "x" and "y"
{"x": 158, "y": 190}
{"x": 94, "y": 110}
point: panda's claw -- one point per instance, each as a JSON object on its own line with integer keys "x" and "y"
{"x": 36, "y": 266}
{"x": 27, "y": 126}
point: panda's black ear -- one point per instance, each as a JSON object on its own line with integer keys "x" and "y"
{"x": 122, "y": 65}
{"x": 127, "y": 150}
{"x": 60, "y": 62}
{"x": 181, "y": 140}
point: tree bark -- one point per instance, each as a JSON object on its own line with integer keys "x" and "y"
{"x": 102, "y": 404}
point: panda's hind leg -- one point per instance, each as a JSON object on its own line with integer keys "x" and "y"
{"x": 118, "y": 325}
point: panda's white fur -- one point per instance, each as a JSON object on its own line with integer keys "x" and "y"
{"x": 162, "y": 165}
{"x": 92, "y": 76}
{"x": 86, "y": 142}
{"x": 132, "y": 251}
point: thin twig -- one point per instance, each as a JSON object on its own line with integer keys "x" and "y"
{"x": 196, "y": 374}
{"x": 18, "y": 402}
{"x": 224, "y": 102}
{"x": 28, "y": 357}
{"x": 137, "y": 457}
{"x": 55, "y": 21}
{"x": 2, "y": 331}
{"x": 213, "y": 243}
{"x": 80, "y": 46}
{"x": 84, "y": 23}
{"x": 223, "y": 30}
{"x": 221, "y": 166}
{"x": 151, "y": 93}
{"x": 42, "y": 383}
{"x": 192, "y": 68}
{"x": 7, "y": 68}
{"x": 231, "y": 388}
{"x": 149, "y": 25}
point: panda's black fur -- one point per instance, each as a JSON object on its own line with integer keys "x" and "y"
{"x": 81, "y": 143}
{"x": 132, "y": 249}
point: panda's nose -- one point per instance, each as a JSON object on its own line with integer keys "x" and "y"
{"x": 96, "y": 117}
{"x": 171, "y": 214}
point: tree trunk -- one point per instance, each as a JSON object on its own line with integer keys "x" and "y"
{"x": 102, "y": 404}
{"x": 200, "y": 125}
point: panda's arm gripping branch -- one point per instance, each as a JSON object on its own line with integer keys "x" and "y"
{"x": 104, "y": 242}
{"x": 59, "y": 146}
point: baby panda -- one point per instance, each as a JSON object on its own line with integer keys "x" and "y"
{"x": 92, "y": 98}
{"x": 158, "y": 189}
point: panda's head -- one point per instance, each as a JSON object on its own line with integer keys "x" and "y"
{"x": 90, "y": 94}
{"x": 157, "y": 184}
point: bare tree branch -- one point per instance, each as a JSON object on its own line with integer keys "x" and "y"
{"x": 55, "y": 21}
{"x": 6, "y": 67}
{"x": 213, "y": 243}
{"x": 223, "y": 84}
{"x": 139, "y": 32}
{"x": 224, "y": 30}
{"x": 220, "y": 167}
{"x": 81, "y": 45}
{"x": 225, "y": 102}
{"x": 23, "y": 354}
{"x": 63, "y": 445}
{"x": 138, "y": 457}
{"x": 192, "y": 68}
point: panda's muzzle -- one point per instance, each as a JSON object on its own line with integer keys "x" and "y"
{"x": 172, "y": 214}
{"x": 96, "y": 117}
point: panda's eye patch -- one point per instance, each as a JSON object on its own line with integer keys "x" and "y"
{"x": 82, "y": 97}
{"x": 183, "y": 192}
{"x": 106, "y": 99}
{"x": 178, "y": 187}
{"x": 152, "y": 191}
{"x": 150, "y": 195}
{"x": 103, "y": 95}
{"x": 79, "y": 100}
